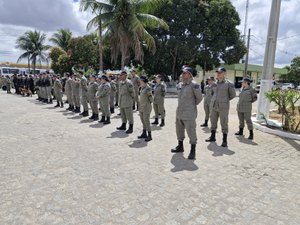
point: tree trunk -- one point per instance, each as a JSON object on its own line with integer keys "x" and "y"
{"x": 174, "y": 62}
{"x": 28, "y": 64}
{"x": 100, "y": 48}
{"x": 123, "y": 58}
{"x": 34, "y": 65}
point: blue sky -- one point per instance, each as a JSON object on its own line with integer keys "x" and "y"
{"x": 17, "y": 16}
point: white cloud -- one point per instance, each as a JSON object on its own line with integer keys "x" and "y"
{"x": 258, "y": 20}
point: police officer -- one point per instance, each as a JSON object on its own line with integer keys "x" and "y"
{"x": 208, "y": 92}
{"x": 68, "y": 91}
{"x": 48, "y": 88}
{"x": 136, "y": 84}
{"x": 159, "y": 100}
{"x": 57, "y": 90}
{"x": 113, "y": 91}
{"x": 103, "y": 95}
{"x": 8, "y": 84}
{"x": 244, "y": 107}
{"x": 145, "y": 109}
{"x": 189, "y": 97}
{"x": 84, "y": 94}
{"x": 117, "y": 90}
{"x": 223, "y": 92}
{"x": 92, "y": 90}
{"x": 126, "y": 99}
{"x": 76, "y": 93}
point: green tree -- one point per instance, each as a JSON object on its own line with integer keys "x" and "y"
{"x": 33, "y": 43}
{"x": 54, "y": 55}
{"x": 82, "y": 52}
{"x": 293, "y": 75}
{"x": 126, "y": 22}
{"x": 61, "y": 38}
{"x": 201, "y": 33}
{"x": 64, "y": 64}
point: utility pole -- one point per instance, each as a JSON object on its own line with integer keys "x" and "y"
{"x": 247, "y": 54}
{"x": 246, "y": 20}
{"x": 269, "y": 59}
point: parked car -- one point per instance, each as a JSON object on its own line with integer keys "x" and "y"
{"x": 287, "y": 86}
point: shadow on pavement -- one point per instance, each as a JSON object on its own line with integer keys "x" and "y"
{"x": 50, "y": 107}
{"x": 68, "y": 113}
{"x": 218, "y": 150}
{"x": 87, "y": 121}
{"x": 75, "y": 117}
{"x": 118, "y": 134}
{"x": 97, "y": 125}
{"x": 138, "y": 144}
{"x": 292, "y": 143}
{"x": 244, "y": 140}
{"x": 153, "y": 127}
{"x": 180, "y": 163}
{"x": 206, "y": 130}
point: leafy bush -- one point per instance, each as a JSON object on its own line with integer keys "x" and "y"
{"x": 286, "y": 101}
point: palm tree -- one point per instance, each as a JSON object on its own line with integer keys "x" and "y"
{"x": 126, "y": 22}
{"x": 61, "y": 38}
{"x": 32, "y": 42}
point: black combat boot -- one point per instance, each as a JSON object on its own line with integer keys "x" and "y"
{"x": 162, "y": 124}
{"x": 77, "y": 110}
{"x": 61, "y": 105}
{"x": 143, "y": 135}
{"x": 92, "y": 117}
{"x": 240, "y": 132}
{"x": 212, "y": 137}
{"x": 130, "y": 129}
{"x": 224, "y": 143}
{"x": 57, "y": 105}
{"x": 117, "y": 104}
{"x": 178, "y": 148}
{"x": 133, "y": 107}
{"x": 102, "y": 119}
{"x": 112, "y": 110}
{"x": 51, "y": 102}
{"x": 122, "y": 127}
{"x": 71, "y": 108}
{"x": 204, "y": 124}
{"x": 107, "y": 121}
{"x": 251, "y": 135}
{"x": 85, "y": 113}
{"x": 149, "y": 137}
{"x": 192, "y": 154}
{"x": 155, "y": 121}
{"x": 96, "y": 117}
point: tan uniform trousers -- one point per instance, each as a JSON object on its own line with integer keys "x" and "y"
{"x": 245, "y": 116}
{"x": 189, "y": 126}
{"x": 145, "y": 118}
{"x": 126, "y": 115}
{"x": 214, "y": 117}
{"x": 159, "y": 108}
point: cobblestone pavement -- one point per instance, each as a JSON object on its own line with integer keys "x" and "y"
{"x": 59, "y": 168}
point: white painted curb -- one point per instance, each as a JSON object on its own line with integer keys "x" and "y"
{"x": 275, "y": 132}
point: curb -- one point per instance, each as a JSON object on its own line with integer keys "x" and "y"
{"x": 275, "y": 132}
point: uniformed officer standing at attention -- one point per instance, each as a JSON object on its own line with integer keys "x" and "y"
{"x": 159, "y": 100}
{"x": 84, "y": 94}
{"x": 136, "y": 84}
{"x": 92, "y": 90}
{"x": 48, "y": 85}
{"x": 223, "y": 92}
{"x": 103, "y": 95}
{"x": 126, "y": 98}
{"x": 76, "y": 92}
{"x": 117, "y": 91}
{"x": 8, "y": 84}
{"x": 68, "y": 91}
{"x": 113, "y": 90}
{"x": 244, "y": 107}
{"x": 208, "y": 92}
{"x": 189, "y": 96}
{"x": 57, "y": 91}
{"x": 145, "y": 109}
